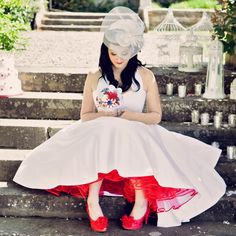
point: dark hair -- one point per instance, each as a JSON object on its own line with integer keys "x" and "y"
{"x": 127, "y": 75}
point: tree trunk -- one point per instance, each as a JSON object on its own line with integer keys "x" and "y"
{"x": 230, "y": 59}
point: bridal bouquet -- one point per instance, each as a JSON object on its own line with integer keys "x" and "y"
{"x": 109, "y": 99}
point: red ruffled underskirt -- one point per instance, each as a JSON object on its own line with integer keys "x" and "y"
{"x": 160, "y": 198}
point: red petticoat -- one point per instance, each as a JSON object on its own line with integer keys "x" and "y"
{"x": 160, "y": 198}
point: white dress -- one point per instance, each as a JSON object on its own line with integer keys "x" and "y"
{"x": 175, "y": 171}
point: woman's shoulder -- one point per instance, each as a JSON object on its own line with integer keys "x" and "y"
{"x": 147, "y": 76}
{"x": 95, "y": 73}
{"x": 145, "y": 72}
{"x": 93, "y": 77}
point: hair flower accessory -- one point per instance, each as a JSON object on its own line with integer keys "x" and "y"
{"x": 123, "y": 32}
{"x": 109, "y": 99}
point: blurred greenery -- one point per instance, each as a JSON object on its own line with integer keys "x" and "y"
{"x": 178, "y": 4}
{"x": 89, "y": 5}
{"x": 206, "y": 4}
{"x": 224, "y": 22}
{"x": 15, "y": 16}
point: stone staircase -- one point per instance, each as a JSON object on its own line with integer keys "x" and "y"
{"x": 52, "y": 101}
{"x": 72, "y": 21}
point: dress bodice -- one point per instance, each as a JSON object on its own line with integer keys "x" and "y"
{"x": 133, "y": 100}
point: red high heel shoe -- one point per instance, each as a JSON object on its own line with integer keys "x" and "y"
{"x": 129, "y": 223}
{"x": 98, "y": 225}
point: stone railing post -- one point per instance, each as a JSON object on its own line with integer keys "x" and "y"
{"x": 144, "y": 7}
{"x": 144, "y": 3}
{"x": 39, "y": 14}
{"x": 50, "y": 5}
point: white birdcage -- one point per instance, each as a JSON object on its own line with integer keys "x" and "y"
{"x": 214, "y": 88}
{"x": 204, "y": 24}
{"x": 168, "y": 37}
{"x": 190, "y": 54}
{"x": 170, "y": 23}
{"x": 203, "y": 30}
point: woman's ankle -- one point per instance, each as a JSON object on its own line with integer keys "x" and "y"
{"x": 93, "y": 201}
{"x": 94, "y": 209}
{"x": 139, "y": 209}
{"x": 143, "y": 203}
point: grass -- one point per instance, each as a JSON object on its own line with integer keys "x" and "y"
{"x": 155, "y": 5}
{"x": 206, "y": 4}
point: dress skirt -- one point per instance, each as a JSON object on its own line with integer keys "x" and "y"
{"x": 175, "y": 171}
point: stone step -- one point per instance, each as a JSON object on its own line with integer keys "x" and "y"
{"x": 35, "y": 105}
{"x": 73, "y": 80}
{"x": 45, "y": 105}
{"x": 48, "y": 21}
{"x": 36, "y": 226}
{"x": 27, "y": 134}
{"x": 34, "y": 132}
{"x": 92, "y": 28}
{"x": 179, "y": 109}
{"x": 22, "y": 202}
{"x": 74, "y": 15}
{"x": 172, "y": 75}
{"x": 225, "y": 136}
{"x": 10, "y": 160}
{"x": 53, "y": 81}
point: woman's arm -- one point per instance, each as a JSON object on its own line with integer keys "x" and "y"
{"x": 88, "y": 110}
{"x": 153, "y": 115}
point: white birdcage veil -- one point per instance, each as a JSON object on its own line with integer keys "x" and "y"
{"x": 123, "y": 32}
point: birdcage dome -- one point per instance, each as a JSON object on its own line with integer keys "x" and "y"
{"x": 170, "y": 23}
{"x": 204, "y": 24}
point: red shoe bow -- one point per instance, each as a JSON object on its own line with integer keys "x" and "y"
{"x": 98, "y": 225}
{"x": 128, "y": 222}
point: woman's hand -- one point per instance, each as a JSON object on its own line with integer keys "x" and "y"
{"x": 147, "y": 118}
{"x": 125, "y": 114}
{"x": 108, "y": 113}
{"x": 115, "y": 113}
{"x": 120, "y": 113}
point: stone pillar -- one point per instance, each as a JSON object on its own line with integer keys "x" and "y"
{"x": 144, "y": 3}
{"x": 39, "y": 14}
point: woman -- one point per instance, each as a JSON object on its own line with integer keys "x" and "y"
{"x": 120, "y": 149}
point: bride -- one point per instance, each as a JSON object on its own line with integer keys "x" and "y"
{"x": 118, "y": 148}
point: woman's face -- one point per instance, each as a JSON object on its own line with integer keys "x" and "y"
{"x": 117, "y": 61}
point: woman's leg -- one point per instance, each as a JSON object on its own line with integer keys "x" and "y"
{"x": 140, "y": 205}
{"x": 95, "y": 210}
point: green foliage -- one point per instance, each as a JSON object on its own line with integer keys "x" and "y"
{"x": 206, "y": 4}
{"x": 183, "y": 4}
{"x": 87, "y": 5}
{"x": 107, "y": 5}
{"x": 72, "y": 5}
{"x": 15, "y": 16}
{"x": 224, "y": 22}
{"x": 156, "y": 5}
